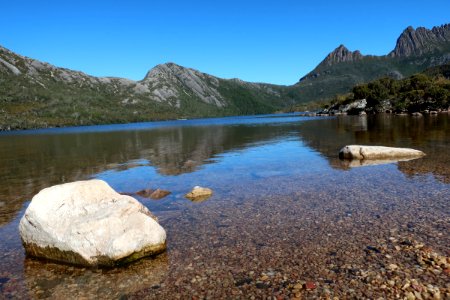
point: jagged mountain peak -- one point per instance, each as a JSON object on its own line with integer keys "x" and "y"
{"x": 420, "y": 40}
{"x": 341, "y": 54}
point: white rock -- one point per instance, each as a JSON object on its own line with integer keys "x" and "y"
{"x": 199, "y": 193}
{"x": 378, "y": 152}
{"x": 88, "y": 223}
{"x": 10, "y": 67}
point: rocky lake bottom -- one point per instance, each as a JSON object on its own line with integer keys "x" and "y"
{"x": 287, "y": 220}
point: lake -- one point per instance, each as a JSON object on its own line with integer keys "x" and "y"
{"x": 287, "y": 217}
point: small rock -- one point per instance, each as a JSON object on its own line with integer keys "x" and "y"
{"x": 309, "y": 285}
{"x": 159, "y": 194}
{"x": 418, "y": 295}
{"x": 410, "y": 296}
{"x": 374, "y": 249}
{"x": 417, "y": 287}
{"x": 145, "y": 193}
{"x": 392, "y": 267}
{"x": 199, "y": 194}
{"x": 437, "y": 295}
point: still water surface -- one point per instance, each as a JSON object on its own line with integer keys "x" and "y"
{"x": 282, "y": 201}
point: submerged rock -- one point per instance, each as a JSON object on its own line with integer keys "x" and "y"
{"x": 88, "y": 223}
{"x": 153, "y": 194}
{"x": 145, "y": 193}
{"x": 159, "y": 194}
{"x": 377, "y": 152}
{"x": 199, "y": 193}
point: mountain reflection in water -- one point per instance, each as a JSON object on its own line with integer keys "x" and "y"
{"x": 431, "y": 134}
{"x": 29, "y": 163}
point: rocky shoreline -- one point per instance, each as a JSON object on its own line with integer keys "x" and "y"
{"x": 360, "y": 107}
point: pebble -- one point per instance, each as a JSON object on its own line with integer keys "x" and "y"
{"x": 309, "y": 285}
{"x": 392, "y": 267}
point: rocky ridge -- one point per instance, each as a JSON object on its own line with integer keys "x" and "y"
{"x": 38, "y": 94}
{"x": 163, "y": 83}
{"x": 161, "y": 79}
{"x": 415, "y": 51}
{"x": 420, "y": 41}
{"x": 342, "y": 54}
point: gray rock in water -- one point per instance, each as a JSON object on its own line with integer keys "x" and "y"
{"x": 88, "y": 223}
{"x": 377, "y": 152}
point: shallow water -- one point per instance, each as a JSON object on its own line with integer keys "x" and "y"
{"x": 285, "y": 209}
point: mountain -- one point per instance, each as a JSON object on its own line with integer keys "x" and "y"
{"x": 35, "y": 94}
{"x": 415, "y": 51}
{"x": 421, "y": 41}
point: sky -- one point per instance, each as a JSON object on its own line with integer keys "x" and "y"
{"x": 260, "y": 41}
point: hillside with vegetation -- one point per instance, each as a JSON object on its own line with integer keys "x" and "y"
{"x": 35, "y": 94}
{"x": 426, "y": 91}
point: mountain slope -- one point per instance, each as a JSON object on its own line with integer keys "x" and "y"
{"x": 415, "y": 50}
{"x": 35, "y": 94}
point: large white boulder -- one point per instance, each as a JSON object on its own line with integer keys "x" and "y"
{"x": 378, "y": 152}
{"x": 88, "y": 223}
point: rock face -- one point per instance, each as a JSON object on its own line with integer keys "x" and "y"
{"x": 342, "y": 54}
{"x": 167, "y": 80}
{"x": 199, "y": 194}
{"x": 378, "y": 152}
{"x": 88, "y": 223}
{"x": 420, "y": 41}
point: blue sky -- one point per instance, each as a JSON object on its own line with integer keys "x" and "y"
{"x": 262, "y": 41}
